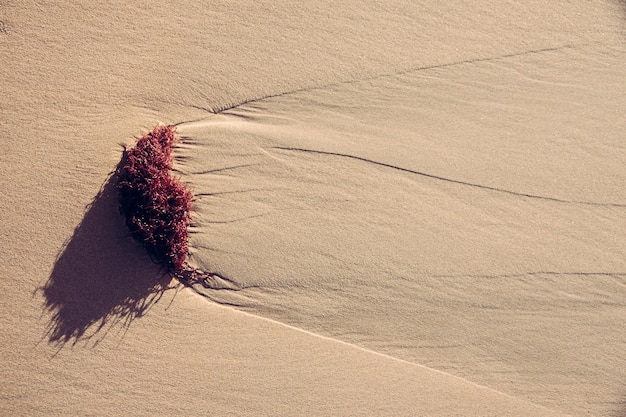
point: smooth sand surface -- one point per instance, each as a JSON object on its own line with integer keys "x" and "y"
{"x": 417, "y": 209}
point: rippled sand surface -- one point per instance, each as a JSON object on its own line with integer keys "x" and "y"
{"x": 410, "y": 208}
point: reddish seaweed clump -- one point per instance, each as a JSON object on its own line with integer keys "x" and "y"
{"x": 156, "y": 205}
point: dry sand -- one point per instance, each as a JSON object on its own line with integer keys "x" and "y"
{"x": 420, "y": 208}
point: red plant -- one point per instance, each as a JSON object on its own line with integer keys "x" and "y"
{"x": 156, "y": 205}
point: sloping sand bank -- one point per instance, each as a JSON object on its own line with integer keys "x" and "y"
{"x": 433, "y": 217}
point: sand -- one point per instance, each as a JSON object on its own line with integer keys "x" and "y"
{"x": 417, "y": 209}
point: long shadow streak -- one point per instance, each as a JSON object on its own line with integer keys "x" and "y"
{"x": 101, "y": 278}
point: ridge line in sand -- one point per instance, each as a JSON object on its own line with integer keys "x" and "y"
{"x": 451, "y": 180}
{"x": 373, "y": 352}
{"x": 532, "y": 273}
{"x": 221, "y": 109}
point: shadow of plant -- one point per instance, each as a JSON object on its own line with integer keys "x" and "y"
{"x": 102, "y": 277}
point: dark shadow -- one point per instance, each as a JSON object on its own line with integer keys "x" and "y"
{"x": 102, "y": 278}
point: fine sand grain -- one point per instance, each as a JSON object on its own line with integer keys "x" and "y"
{"x": 412, "y": 208}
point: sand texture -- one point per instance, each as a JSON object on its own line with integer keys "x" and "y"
{"x": 411, "y": 208}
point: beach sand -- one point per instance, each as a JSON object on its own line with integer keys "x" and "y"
{"x": 414, "y": 209}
